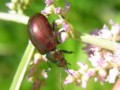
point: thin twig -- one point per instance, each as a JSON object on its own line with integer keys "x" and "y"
{"x": 14, "y": 17}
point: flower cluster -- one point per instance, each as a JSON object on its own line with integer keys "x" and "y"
{"x": 64, "y": 27}
{"x": 17, "y": 6}
{"x": 50, "y": 8}
{"x": 81, "y": 76}
{"x": 36, "y": 74}
{"x": 106, "y": 63}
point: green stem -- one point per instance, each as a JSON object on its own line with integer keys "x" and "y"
{"x": 22, "y": 67}
{"x": 14, "y": 17}
{"x": 103, "y": 43}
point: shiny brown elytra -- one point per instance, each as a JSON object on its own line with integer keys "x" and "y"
{"x": 41, "y": 33}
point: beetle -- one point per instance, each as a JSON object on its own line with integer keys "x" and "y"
{"x": 44, "y": 39}
{"x": 41, "y": 33}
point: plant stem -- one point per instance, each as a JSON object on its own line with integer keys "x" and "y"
{"x": 22, "y": 67}
{"x": 14, "y": 17}
{"x": 103, "y": 43}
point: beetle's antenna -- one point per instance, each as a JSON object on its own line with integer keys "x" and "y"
{"x": 48, "y": 64}
{"x": 67, "y": 52}
{"x": 66, "y": 68}
{"x": 61, "y": 78}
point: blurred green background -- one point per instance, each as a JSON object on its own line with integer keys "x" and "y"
{"x": 84, "y": 15}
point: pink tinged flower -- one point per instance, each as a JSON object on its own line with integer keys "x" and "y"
{"x": 73, "y": 76}
{"x": 105, "y": 33}
{"x": 113, "y": 73}
{"x": 44, "y": 74}
{"x": 108, "y": 56}
{"x": 91, "y": 72}
{"x": 10, "y": 5}
{"x": 116, "y": 32}
{"x": 37, "y": 84}
{"x": 116, "y": 58}
{"x": 83, "y": 67}
{"x": 72, "y": 73}
{"x": 58, "y": 10}
{"x": 91, "y": 49}
{"x": 86, "y": 73}
{"x": 44, "y": 58}
{"x": 58, "y": 21}
{"x": 81, "y": 76}
{"x": 64, "y": 36}
{"x": 49, "y": 2}
{"x": 44, "y": 12}
{"x": 117, "y": 49}
{"x": 68, "y": 80}
{"x": 96, "y": 60}
{"x": 47, "y": 10}
{"x": 102, "y": 74}
{"x": 84, "y": 82}
{"x": 87, "y": 76}
{"x": 37, "y": 58}
{"x": 95, "y": 79}
{"x": 65, "y": 26}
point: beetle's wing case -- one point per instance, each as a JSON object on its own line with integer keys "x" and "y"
{"x": 41, "y": 33}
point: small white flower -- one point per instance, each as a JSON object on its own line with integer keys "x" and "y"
{"x": 58, "y": 10}
{"x": 102, "y": 74}
{"x": 58, "y": 21}
{"x": 64, "y": 36}
{"x": 37, "y": 58}
{"x": 44, "y": 74}
{"x": 10, "y": 5}
{"x": 49, "y": 2}
{"x": 113, "y": 73}
{"x": 47, "y": 10}
{"x": 105, "y": 33}
{"x": 116, "y": 32}
{"x": 68, "y": 80}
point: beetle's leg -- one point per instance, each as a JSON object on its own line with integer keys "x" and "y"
{"x": 66, "y": 68}
{"x": 57, "y": 33}
{"x": 58, "y": 39}
{"x": 68, "y": 52}
{"x": 61, "y": 78}
{"x": 53, "y": 25}
{"x": 47, "y": 70}
{"x": 58, "y": 36}
{"x": 49, "y": 64}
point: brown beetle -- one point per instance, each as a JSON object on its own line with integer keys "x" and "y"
{"x": 44, "y": 39}
{"x": 41, "y": 33}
